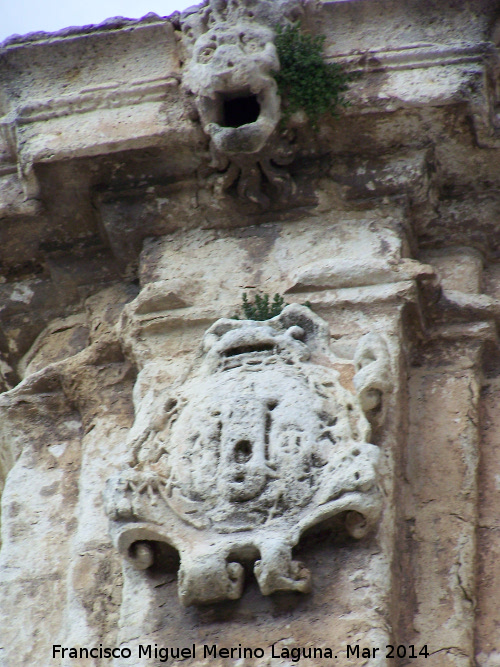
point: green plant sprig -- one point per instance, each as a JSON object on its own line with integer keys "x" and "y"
{"x": 261, "y": 309}
{"x": 305, "y": 81}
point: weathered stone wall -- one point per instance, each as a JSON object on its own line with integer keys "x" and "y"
{"x": 133, "y": 216}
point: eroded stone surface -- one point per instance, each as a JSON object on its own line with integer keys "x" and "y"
{"x": 232, "y": 58}
{"x": 108, "y": 174}
{"x": 258, "y": 445}
{"x": 230, "y": 69}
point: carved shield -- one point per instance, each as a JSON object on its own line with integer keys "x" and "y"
{"x": 259, "y": 444}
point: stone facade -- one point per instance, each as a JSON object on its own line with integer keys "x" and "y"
{"x": 174, "y": 475}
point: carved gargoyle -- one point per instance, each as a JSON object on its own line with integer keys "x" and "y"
{"x": 258, "y": 444}
{"x": 230, "y": 60}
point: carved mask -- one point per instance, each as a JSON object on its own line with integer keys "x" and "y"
{"x": 229, "y": 69}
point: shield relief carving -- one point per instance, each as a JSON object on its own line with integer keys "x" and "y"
{"x": 258, "y": 444}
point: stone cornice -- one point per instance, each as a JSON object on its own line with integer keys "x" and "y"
{"x": 108, "y": 96}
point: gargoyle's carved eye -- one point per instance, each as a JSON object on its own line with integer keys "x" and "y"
{"x": 250, "y": 44}
{"x": 206, "y": 54}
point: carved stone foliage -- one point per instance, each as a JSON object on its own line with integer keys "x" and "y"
{"x": 257, "y": 445}
{"x": 229, "y": 68}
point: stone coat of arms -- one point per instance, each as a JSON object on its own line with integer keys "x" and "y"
{"x": 260, "y": 443}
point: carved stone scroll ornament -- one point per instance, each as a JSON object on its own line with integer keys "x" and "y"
{"x": 230, "y": 60}
{"x": 260, "y": 443}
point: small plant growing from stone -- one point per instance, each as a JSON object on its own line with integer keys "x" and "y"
{"x": 261, "y": 308}
{"x": 305, "y": 81}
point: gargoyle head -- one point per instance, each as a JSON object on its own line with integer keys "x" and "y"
{"x": 229, "y": 69}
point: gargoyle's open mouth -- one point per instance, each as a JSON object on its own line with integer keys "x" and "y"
{"x": 238, "y": 110}
{"x": 240, "y": 121}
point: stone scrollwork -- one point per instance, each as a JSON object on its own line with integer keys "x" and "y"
{"x": 373, "y": 378}
{"x": 257, "y": 445}
{"x": 230, "y": 60}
